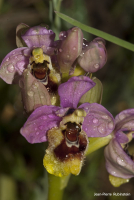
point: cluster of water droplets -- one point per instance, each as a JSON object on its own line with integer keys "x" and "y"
{"x": 62, "y": 35}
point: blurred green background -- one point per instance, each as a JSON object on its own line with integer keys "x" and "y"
{"x": 22, "y": 175}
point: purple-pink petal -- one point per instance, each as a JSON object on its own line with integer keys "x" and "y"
{"x": 125, "y": 120}
{"x": 118, "y": 163}
{"x": 71, "y": 91}
{"x": 70, "y": 48}
{"x": 98, "y": 121}
{"x": 14, "y": 64}
{"x": 39, "y": 122}
{"x": 38, "y": 36}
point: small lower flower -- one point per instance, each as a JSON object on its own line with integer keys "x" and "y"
{"x": 67, "y": 128}
{"x": 119, "y": 154}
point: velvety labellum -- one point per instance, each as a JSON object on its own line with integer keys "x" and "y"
{"x": 41, "y": 71}
{"x": 73, "y": 144}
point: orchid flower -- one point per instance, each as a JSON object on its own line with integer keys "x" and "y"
{"x": 119, "y": 153}
{"x": 67, "y": 128}
{"x": 36, "y": 57}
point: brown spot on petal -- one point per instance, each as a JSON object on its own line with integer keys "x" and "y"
{"x": 73, "y": 144}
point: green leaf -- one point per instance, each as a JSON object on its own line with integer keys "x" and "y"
{"x": 97, "y": 32}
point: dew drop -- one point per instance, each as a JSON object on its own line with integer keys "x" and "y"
{"x": 101, "y": 129}
{"x": 96, "y": 66}
{"x": 41, "y": 96}
{"x": 68, "y": 56}
{"x": 43, "y": 139}
{"x": 104, "y": 116}
{"x": 95, "y": 120}
{"x": 7, "y": 59}
{"x": 74, "y": 30}
{"x": 30, "y": 93}
{"x": 110, "y": 125}
{"x": 20, "y": 65}
{"x": 35, "y": 85}
{"x": 50, "y": 31}
{"x": 100, "y": 57}
{"x": 10, "y": 68}
{"x": 120, "y": 161}
{"x": 121, "y": 116}
{"x": 74, "y": 48}
{"x": 37, "y": 133}
{"x": 50, "y": 116}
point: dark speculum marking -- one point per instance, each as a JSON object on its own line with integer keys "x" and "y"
{"x": 73, "y": 144}
{"x": 51, "y": 86}
{"x": 41, "y": 71}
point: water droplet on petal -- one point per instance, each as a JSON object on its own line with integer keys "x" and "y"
{"x": 95, "y": 120}
{"x": 102, "y": 129}
{"x": 96, "y": 66}
{"x": 100, "y": 57}
{"x": 111, "y": 125}
{"x": 50, "y": 31}
{"x": 10, "y": 68}
{"x": 30, "y": 93}
{"x": 43, "y": 139}
{"x": 120, "y": 161}
{"x": 20, "y": 65}
{"x": 122, "y": 116}
{"x": 7, "y": 59}
{"x": 68, "y": 56}
{"x": 104, "y": 116}
{"x": 35, "y": 85}
{"x": 37, "y": 133}
{"x": 50, "y": 116}
{"x": 74, "y": 48}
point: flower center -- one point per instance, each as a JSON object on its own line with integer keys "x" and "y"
{"x": 74, "y": 143}
{"x": 43, "y": 70}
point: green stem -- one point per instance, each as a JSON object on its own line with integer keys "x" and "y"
{"x": 96, "y": 143}
{"x": 56, "y": 186}
{"x": 97, "y": 32}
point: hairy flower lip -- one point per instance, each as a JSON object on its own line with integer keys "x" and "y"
{"x": 118, "y": 162}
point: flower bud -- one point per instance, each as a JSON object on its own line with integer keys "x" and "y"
{"x": 71, "y": 47}
{"x": 93, "y": 56}
{"x": 94, "y": 95}
{"x": 34, "y": 93}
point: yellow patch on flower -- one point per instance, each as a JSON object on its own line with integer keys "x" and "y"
{"x": 60, "y": 166}
{"x": 38, "y": 56}
{"x": 116, "y": 181}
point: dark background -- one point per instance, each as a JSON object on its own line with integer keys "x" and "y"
{"x": 22, "y": 175}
